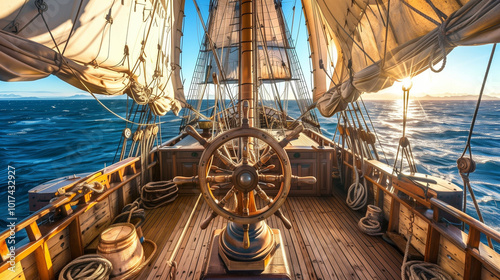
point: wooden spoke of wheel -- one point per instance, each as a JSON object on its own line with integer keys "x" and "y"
{"x": 221, "y": 203}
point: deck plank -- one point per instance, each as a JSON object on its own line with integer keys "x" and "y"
{"x": 324, "y": 242}
{"x": 166, "y": 236}
{"x": 350, "y": 219}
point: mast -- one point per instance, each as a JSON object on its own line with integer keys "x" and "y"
{"x": 246, "y": 88}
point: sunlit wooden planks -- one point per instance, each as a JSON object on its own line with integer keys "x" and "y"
{"x": 324, "y": 242}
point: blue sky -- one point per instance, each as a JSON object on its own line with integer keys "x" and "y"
{"x": 462, "y": 75}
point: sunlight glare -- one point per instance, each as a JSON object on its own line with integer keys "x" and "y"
{"x": 407, "y": 83}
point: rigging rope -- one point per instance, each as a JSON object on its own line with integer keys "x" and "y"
{"x": 404, "y": 143}
{"x": 467, "y": 165}
{"x": 386, "y": 33}
{"x": 357, "y": 194}
{"x": 172, "y": 264}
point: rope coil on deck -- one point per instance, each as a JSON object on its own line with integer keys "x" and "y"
{"x": 156, "y": 194}
{"x": 131, "y": 212}
{"x": 357, "y": 195}
{"x": 88, "y": 267}
{"x": 420, "y": 270}
{"x": 370, "y": 224}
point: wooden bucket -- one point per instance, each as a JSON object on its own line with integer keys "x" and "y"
{"x": 120, "y": 245}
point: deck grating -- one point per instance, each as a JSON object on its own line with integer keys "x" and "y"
{"x": 324, "y": 242}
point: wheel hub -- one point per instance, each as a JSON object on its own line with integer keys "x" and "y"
{"x": 245, "y": 178}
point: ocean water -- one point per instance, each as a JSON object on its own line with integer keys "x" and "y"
{"x": 47, "y": 139}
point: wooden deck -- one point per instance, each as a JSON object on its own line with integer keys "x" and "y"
{"x": 324, "y": 242}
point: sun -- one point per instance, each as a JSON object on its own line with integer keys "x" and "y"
{"x": 407, "y": 83}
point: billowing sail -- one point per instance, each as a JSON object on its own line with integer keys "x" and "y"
{"x": 106, "y": 47}
{"x": 365, "y": 46}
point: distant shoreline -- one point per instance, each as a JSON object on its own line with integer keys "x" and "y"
{"x": 465, "y": 97}
{"x": 366, "y": 97}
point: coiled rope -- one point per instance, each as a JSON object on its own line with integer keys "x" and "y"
{"x": 420, "y": 270}
{"x": 88, "y": 267}
{"x": 131, "y": 212}
{"x": 370, "y": 223}
{"x": 157, "y": 194}
{"x": 357, "y": 193}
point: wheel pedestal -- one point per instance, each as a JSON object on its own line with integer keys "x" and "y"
{"x": 271, "y": 266}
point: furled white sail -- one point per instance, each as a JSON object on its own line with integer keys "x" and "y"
{"x": 365, "y": 46}
{"x": 224, "y": 27}
{"x": 106, "y": 47}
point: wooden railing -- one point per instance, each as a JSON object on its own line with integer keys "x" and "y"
{"x": 481, "y": 262}
{"x": 113, "y": 178}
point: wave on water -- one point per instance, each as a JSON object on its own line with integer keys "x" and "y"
{"x": 34, "y": 122}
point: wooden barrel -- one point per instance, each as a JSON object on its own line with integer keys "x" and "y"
{"x": 120, "y": 245}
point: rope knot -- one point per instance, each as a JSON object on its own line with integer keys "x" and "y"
{"x": 109, "y": 19}
{"x": 94, "y": 186}
{"x": 41, "y": 6}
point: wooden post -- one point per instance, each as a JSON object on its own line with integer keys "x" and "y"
{"x": 433, "y": 239}
{"x": 75, "y": 238}
{"x": 42, "y": 255}
{"x": 473, "y": 266}
{"x": 394, "y": 216}
{"x": 75, "y": 233}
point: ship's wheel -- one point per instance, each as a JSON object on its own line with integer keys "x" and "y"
{"x": 236, "y": 164}
{"x": 242, "y": 155}
{"x": 244, "y": 171}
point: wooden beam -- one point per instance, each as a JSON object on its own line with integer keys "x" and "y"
{"x": 473, "y": 266}
{"x": 75, "y": 238}
{"x": 394, "y": 216}
{"x": 432, "y": 244}
{"x": 433, "y": 239}
{"x": 42, "y": 255}
{"x": 488, "y": 231}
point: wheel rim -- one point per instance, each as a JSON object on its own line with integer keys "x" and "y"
{"x": 243, "y": 177}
